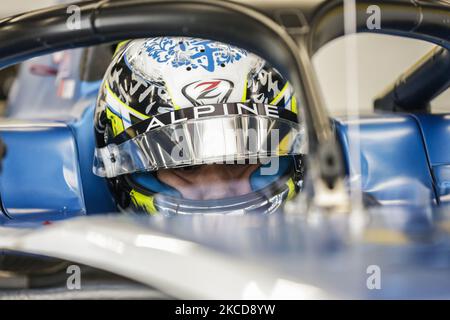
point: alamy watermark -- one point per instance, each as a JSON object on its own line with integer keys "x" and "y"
{"x": 74, "y": 17}
{"x": 373, "y": 21}
{"x": 73, "y": 281}
{"x": 373, "y": 281}
{"x": 240, "y": 146}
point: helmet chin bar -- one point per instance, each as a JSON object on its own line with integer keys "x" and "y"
{"x": 268, "y": 200}
{"x": 255, "y": 202}
{"x": 266, "y": 206}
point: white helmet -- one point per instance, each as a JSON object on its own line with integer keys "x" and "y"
{"x": 172, "y": 102}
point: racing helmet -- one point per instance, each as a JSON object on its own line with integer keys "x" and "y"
{"x": 167, "y": 103}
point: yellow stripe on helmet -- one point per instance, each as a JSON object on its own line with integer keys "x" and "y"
{"x": 284, "y": 145}
{"x": 292, "y": 192}
{"x": 244, "y": 94}
{"x": 120, "y": 46}
{"x": 294, "y": 104}
{"x": 116, "y": 122}
{"x": 280, "y": 94}
{"x": 144, "y": 202}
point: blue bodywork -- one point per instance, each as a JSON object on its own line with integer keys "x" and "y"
{"x": 47, "y": 173}
{"x": 436, "y": 131}
{"x": 395, "y": 165}
{"x": 405, "y": 159}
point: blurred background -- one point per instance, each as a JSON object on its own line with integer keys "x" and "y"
{"x": 380, "y": 60}
{"x": 10, "y": 7}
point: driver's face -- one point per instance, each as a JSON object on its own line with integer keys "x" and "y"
{"x": 208, "y": 182}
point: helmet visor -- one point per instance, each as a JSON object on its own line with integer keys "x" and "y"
{"x": 233, "y": 138}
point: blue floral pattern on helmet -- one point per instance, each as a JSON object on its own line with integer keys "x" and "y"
{"x": 193, "y": 53}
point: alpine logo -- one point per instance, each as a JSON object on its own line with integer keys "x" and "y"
{"x": 209, "y": 91}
